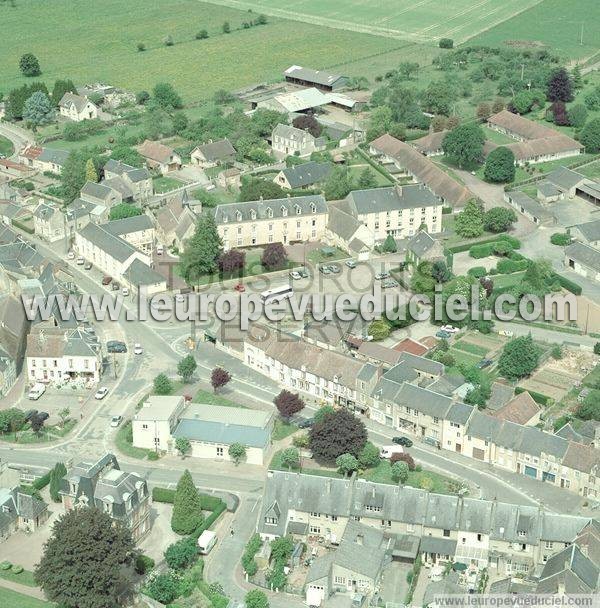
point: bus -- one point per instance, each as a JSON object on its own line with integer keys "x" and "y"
{"x": 276, "y": 294}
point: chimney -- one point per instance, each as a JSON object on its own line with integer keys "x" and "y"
{"x": 596, "y": 442}
{"x": 329, "y": 485}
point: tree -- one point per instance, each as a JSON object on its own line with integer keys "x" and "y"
{"x": 389, "y": 245}
{"x": 15, "y": 101}
{"x": 142, "y": 97}
{"x": 202, "y": 35}
{"x": 187, "y": 506}
{"x": 237, "y": 452}
{"x": 123, "y": 210}
{"x": 274, "y": 255}
{"x": 64, "y": 416}
{"x": 369, "y": 456}
{"x": 597, "y": 348}
{"x": 232, "y": 260}
{"x": 29, "y": 65}
{"x": 60, "y": 88}
{"x": 219, "y": 378}
{"x": 37, "y": 423}
{"x": 558, "y": 113}
{"x": 379, "y": 329}
{"x": 346, "y": 463}
{"x": 309, "y": 123}
{"x": 519, "y": 358}
{"x": 367, "y": 179}
{"x": 183, "y": 445}
{"x": 256, "y": 599}
{"x": 484, "y": 110}
{"x": 557, "y": 351}
{"x": 127, "y": 155}
{"x": 56, "y": 476}
{"x": 164, "y": 588}
{"x": 254, "y": 188}
{"x": 590, "y": 136}
{"x": 162, "y": 385}
{"x": 323, "y": 411}
{"x": 11, "y": 420}
{"x": 469, "y": 223}
{"x": 404, "y": 457}
{"x": 440, "y": 271}
{"x": 83, "y": 563}
{"x": 290, "y": 458}
{"x": 202, "y": 251}
{"x": 90, "y": 171}
{"x": 168, "y": 40}
{"x": 576, "y": 77}
{"x": 464, "y": 145}
{"x": 288, "y": 403}
{"x": 560, "y": 87}
{"x": 338, "y": 184}
{"x": 166, "y": 97}
{"x": 226, "y": 27}
{"x": 38, "y": 110}
{"x": 590, "y": 408}
{"x": 338, "y": 433}
{"x": 438, "y": 123}
{"x": 400, "y": 472}
{"x": 446, "y": 43}
{"x": 499, "y": 219}
{"x": 500, "y": 166}
{"x": 186, "y": 368}
{"x": 592, "y": 99}
{"x": 141, "y": 47}
{"x": 182, "y": 554}
{"x": 577, "y": 115}
{"x": 407, "y": 68}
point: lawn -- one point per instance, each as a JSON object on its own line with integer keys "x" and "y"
{"x": 102, "y": 139}
{"x": 465, "y": 358}
{"x": 97, "y": 42}
{"x": 210, "y": 398}
{"x": 505, "y": 280}
{"x": 165, "y": 184}
{"x": 12, "y": 599}
{"x": 282, "y": 429}
{"x": 553, "y": 23}
{"x": 593, "y": 378}
{"x": 497, "y": 138}
{"x": 6, "y": 147}
{"x": 124, "y": 439}
{"x": 468, "y": 347}
{"x": 23, "y": 578}
{"x": 592, "y": 170}
{"x": 317, "y": 257}
{"x": 48, "y": 433}
{"x": 417, "y": 21}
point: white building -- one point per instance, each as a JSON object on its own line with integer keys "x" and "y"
{"x": 153, "y": 425}
{"x": 77, "y": 108}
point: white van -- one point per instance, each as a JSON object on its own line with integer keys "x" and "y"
{"x": 36, "y": 391}
{"x": 206, "y": 541}
{"x": 160, "y": 249}
{"x": 387, "y": 451}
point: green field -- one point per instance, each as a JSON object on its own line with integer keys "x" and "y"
{"x": 418, "y": 21}
{"x": 13, "y": 599}
{"x": 554, "y": 23}
{"x": 6, "y": 147}
{"x": 89, "y": 42}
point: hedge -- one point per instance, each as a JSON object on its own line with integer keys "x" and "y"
{"x": 510, "y": 266}
{"x": 567, "y": 284}
{"x": 208, "y": 503}
{"x": 210, "y": 520}
{"x": 477, "y": 271}
{"x": 163, "y": 495}
{"x": 42, "y": 481}
{"x": 537, "y": 397}
{"x": 516, "y": 244}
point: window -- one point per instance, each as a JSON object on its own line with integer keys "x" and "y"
{"x": 446, "y": 533}
{"x": 144, "y": 426}
{"x": 479, "y": 537}
{"x": 271, "y": 520}
{"x": 315, "y": 530}
{"x": 315, "y": 514}
{"x": 220, "y": 451}
{"x": 522, "y": 534}
{"x": 436, "y": 420}
{"x": 549, "y": 544}
{"x": 340, "y": 580}
{"x": 334, "y": 518}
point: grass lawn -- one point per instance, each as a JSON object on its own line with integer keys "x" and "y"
{"x": 6, "y": 147}
{"x": 592, "y": 170}
{"x": 97, "y": 42}
{"x": 504, "y": 280}
{"x": 165, "y": 184}
{"x": 12, "y": 599}
{"x": 282, "y": 429}
{"x": 468, "y": 347}
{"x": 24, "y": 578}
{"x": 593, "y": 378}
{"x": 210, "y": 398}
{"x": 49, "y": 433}
{"x": 464, "y": 358}
{"x": 100, "y": 139}
{"x": 316, "y": 257}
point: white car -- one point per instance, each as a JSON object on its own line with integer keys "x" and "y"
{"x": 450, "y": 329}
{"x": 71, "y": 255}
{"x": 101, "y": 393}
{"x": 125, "y": 291}
{"x": 295, "y": 275}
{"x": 506, "y": 332}
{"x": 116, "y": 420}
{"x": 80, "y": 261}
{"x": 137, "y": 349}
{"x": 179, "y": 298}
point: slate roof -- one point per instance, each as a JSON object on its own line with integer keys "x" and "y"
{"x": 115, "y": 246}
{"x": 139, "y": 273}
{"x": 590, "y": 230}
{"x": 279, "y": 207}
{"x": 386, "y": 355}
{"x": 424, "y": 170}
{"x": 459, "y": 413}
{"x": 570, "y": 569}
{"x": 565, "y": 178}
{"x": 376, "y": 200}
{"x": 545, "y": 188}
{"x": 293, "y": 134}
{"x": 306, "y": 174}
{"x": 135, "y": 174}
{"x": 218, "y": 432}
{"x": 55, "y": 342}
{"x": 50, "y": 155}
{"x": 584, "y": 254}
{"x": 421, "y": 243}
{"x": 441, "y": 546}
{"x": 581, "y": 457}
{"x": 341, "y": 221}
{"x": 217, "y": 150}
{"x": 98, "y": 191}
{"x": 75, "y": 100}
{"x": 119, "y": 184}
{"x": 530, "y": 205}
{"x": 320, "y": 77}
{"x": 127, "y": 225}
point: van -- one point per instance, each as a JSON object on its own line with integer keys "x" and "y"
{"x": 160, "y": 249}
{"x": 206, "y": 542}
{"x": 387, "y": 451}
{"x": 36, "y": 391}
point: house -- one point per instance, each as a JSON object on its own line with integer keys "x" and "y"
{"x": 347, "y": 232}
{"x": 133, "y": 182}
{"x": 20, "y": 511}
{"x": 588, "y": 233}
{"x": 378, "y": 354}
{"x": 154, "y": 423}
{"x": 229, "y": 178}
{"x": 422, "y": 247}
{"x": 410, "y": 162}
{"x": 101, "y": 194}
{"x": 282, "y": 220}
{"x": 61, "y": 356}
{"x": 122, "y": 496}
{"x": 44, "y": 159}
{"x": 583, "y": 260}
{"x": 289, "y": 141}
{"x": 570, "y": 571}
{"x": 49, "y": 222}
{"x": 213, "y": 429}
{"x": 213, "y": 153}
{"x": 53, "y": 224}
{"x": 14, "y": 327}
{"x": 320, "y": 79}
{"x": 431, "y": 144}
{"x": 521, "y": 409}
{"x": 159, "y": 157}
{"x": 175, "y": 221}
{"x": 18, "y": 257}
{"x": 530, "y": 208}
{"x": 412, "y": 346}
{"x": 302, "y": 176}
{"x": 77, "y": 108}
{"x": 8, "y": 372}
{"x": 137, "y": 230}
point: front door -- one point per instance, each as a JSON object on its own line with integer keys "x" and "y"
{"x": 458, "y": 447}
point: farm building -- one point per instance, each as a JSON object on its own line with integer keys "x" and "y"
{"x": 530, "y": 208}
{"x": 588, "y": 233}
{"x": 431, "y": 144}
{"x": 583, "y": 260}
{"x": 302, "y": 176}
{"x": 326, "y": 81}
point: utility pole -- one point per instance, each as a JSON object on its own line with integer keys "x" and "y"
{"x": 581, "y": 34}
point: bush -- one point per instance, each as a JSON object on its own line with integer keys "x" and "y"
{"x": 561, "y": 239}
{"x": 446, "y": 43}
{"x": 17, "y": 569}
{"x": 182, "y": 554}
{"x": 5, "y": 566}
{"x": 508, "y": 266}
{"x": 477, "y": 271}
{"x": 569, "y": 285}
{"x": 481, "y": 251}
{"x": 597, "y": 348}
{"x": 163, "y": 495}
{"x": 143, "y": 564}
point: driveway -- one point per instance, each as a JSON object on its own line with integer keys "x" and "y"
{"x": 393, "y": 582}
{"x": 161, "y": 535}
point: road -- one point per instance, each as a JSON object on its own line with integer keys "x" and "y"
{"x": 19, "y": 137}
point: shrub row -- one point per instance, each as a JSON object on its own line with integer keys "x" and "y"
{"x": 569, "y": 285}
{"x": 516, "y": 244}
{"x": 208, "y": 503}
{"x": 510, "y": 266}
{"x": 477, "y": 271}
{"x": 537, "y": 397}
{"x": 210, "y": 520}
{"x": 42, "y": 481}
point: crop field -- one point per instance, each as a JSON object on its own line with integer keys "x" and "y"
{"x": 421, "y": 21}
{"x": 554, "y": 23}
{"x": 97, "y": 41}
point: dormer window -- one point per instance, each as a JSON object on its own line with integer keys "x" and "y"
{"x": 239, "y": 216}
{"x": 298, "y": 209}
{"x": 269, "y": 212}
{"x": 336, "y": 378}
{"x": 253, "y": 214}
{"x": 283, "y": 211}
{"x": 225, "y": 219}
{"x": 73, "y": 488}
{"x": 313, "y": 208}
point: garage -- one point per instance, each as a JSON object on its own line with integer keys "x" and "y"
{"x": 531, "y": 472}
{"x": 549, "y": 477}
{"x": 478, "y": 453}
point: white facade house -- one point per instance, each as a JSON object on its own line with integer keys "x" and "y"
{"x": 77, "y": 108}
{"x": 153, "y": 424}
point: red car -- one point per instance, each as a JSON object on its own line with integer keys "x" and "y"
{"x": 240, "y": 288}
{"x": 106, "y": 280}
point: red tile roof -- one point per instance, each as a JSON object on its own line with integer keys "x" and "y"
{"x": 408, "y": 345}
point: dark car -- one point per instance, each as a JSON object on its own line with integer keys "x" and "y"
{"x": 405, "y": 441}
{"x": 484, "y": 363}
{"x": 306, "y": 423}
{"x": 42, "y": 416}
{"x": 115, "y": 346}
{"x": 30, "y": 414}
{"x": 116, "y": 286}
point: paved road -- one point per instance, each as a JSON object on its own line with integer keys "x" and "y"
{"x": 18, "y": 136}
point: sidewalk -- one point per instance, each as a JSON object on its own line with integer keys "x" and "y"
{"x": 24, "y": 589}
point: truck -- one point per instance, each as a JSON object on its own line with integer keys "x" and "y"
{"x": 387, "y": 451}
{"x": 36, "y": 391}
{"x": 206, "y": 541}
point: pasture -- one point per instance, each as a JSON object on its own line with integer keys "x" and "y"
{"x": 97, "y": 41}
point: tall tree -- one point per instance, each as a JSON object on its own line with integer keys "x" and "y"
{"x": 166, "y": 96}
{"x": 83, "y": 563}
{"x": 338, "y": 184}
{"x": 274, "y": 255}
{"x": 186, "y": 367}
{"x": 288, "y": 403}
{"x": 464, "y": 145}
{"x": 187, "y": 506}
{"x": 29, "y": 65}
{"x": 367, "y": 179}
{"x": 500, "y": 166}
{"x": 308, "y": 123}
{"x": 60, "y": 88}
{"x": 499, "y": 219}
{"x": 590, "y": 136}
{"x": 162, "y": 385}
{"x": 519, "y": 358}
{"x": 469, "y": 223}
{"x": 237, "y": 452}
{"x": 202, "y": 251}
{"x": 340, "y": 432}
{"x": 560, "y": 87}
{"x": 56, "y": 475}
{"x": 219, "y": 377}
{"x": 232, "y": 260}
{"x": 38, "y": 110}
{"x": 91, "y": 175}
{"x": 254, "y": 188}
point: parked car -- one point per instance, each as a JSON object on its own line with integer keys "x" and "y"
{"x": 116, "y": 346}
{"x": 295, "y": 275}
{"x": 450, "y": 329}
{"x": 87, "y": 266}
{"x": 444, "y": 335}
{"x": 106, "y": 280}
{"x": 239, "y": 288}
{"x": 306, "y": 423}
{"x": 325, "y": 269}
{"x": 335, "y": 268}
{"x": 350, "y": 263}
{"x": 116, "y": 286}
{"x": 36, "y": 391}
{"x": 389, "y": 283}
{"x": 303, "y": 272}
{"x": 101, "y": 393}
{"x": 71, "y": 255}
{"x": 116, "y": 420}
{"x": 387, "y": 451}
{"x": 400, "y": 440}
{"x": 382, "y": 275}
{"x": 80, "y": 261}
{"x": 125, "y": 291}
{"x": 160, "y": 249}
{"x": 137, "y": 349}
{"x": 484, "y": 363}
{"x": 506, "y": 332}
